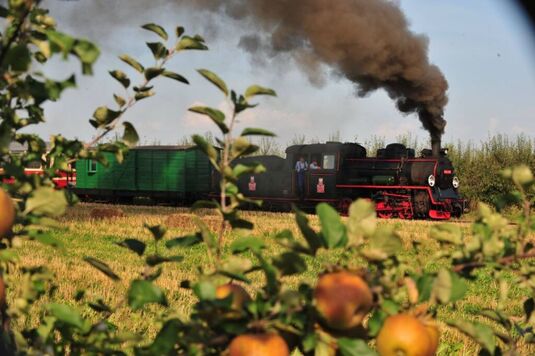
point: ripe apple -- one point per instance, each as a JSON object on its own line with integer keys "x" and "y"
{"x": 258, "y": 345}
{"x": 7, "y": 213}
{"x": 239, "y": 295}
{"x": 404, "y": 334}
{"x": 343, "y": 299}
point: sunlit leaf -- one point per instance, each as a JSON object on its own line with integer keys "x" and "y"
{"x": 133, "y": 245}
{"x": 130, "y": 135}
{"x": 175, "y": 76}
{"x": 249, "y": 131}
{"x": 46, "y": 201}
{"x": 214, "y": 79}
{"x": 132, "y": 62}
{"x": 332, "y": 230}
{"x": 190, "y": 43}
{"x": 157, "y": 29}
{"x": 254, "y": 90}
{"x": 69, "y": 316}
{"x": 143, "y": 292}
{"x": 120, "y": 77}
{"x": 217, "y": 116}
{"x": 102, "y": 267}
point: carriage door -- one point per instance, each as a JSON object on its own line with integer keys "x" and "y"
{"x": 322, "y": 179}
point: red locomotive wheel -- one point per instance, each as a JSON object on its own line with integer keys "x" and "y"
{"x": 385, "y": 215}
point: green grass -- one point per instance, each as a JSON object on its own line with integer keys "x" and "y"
{"x": 84, "y": 236}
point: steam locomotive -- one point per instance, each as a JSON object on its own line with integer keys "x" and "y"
{"x": 400, "y": 184}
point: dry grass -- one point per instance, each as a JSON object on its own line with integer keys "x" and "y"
{"x": 84, "y": 235}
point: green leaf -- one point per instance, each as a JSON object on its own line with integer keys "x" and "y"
{"x": 254, "y": 90}
{"x": 207, "y": 235}
{"x": 243, "y": 244}
{"x": 158, "y": 50}
{"x": 383, "y": 244}
{"x": 60, "y": 42}
{"x": 18, "y": 58}
{"x": 206, "y": 147}
{"x": 425, "y": 284}
{"x": 105, "y": 116}
{"x": 142, "y": 95}
{"x": 154, "y": 260}
{"x": 216, "y": 115}
{"x": 241, "y": 169}
{"x": 214, "y": 79}
{"x": 119, "y": 100}
{"x": 165, "y": 341}
{"x": 69, "y": 316}
{"x": 157, "y": 231}
{"x": 102, "y": 267}
{"x": 46, "y": 201}
{"x": 132, "y": 63}
{"x": 354, "y": 347}
{"x": 240, "y": 146}
{"x": 481, "y": 333}
{"x": 332, "y": 230}
{"x": 144, "y": 292}
{"x": 130, "y": 135}
{"x": 100, "y": 306}
{"x": 249, "y": 131}
{"x": 449, "y": 287}
{"x": 362, "y": 221}
{"x": 120, "y": 77}
{"x": 190, "y": 43}
{"x": 133, "y": 245}
{"x": 175, "y": 76}
{"x": 179, "y": 31}
{"x": 88, "y": 54}
{"x": 376, "y": 321}
{"x": 153, "y": 72}
{"x": 157, "y": 29}
{"x": 205, "y": 290}
{"x": 241, "y": 224}
{"x": 45, "y": 238}
{"x": 290, "y": 263}
{"x": 313, "y": 240}
{"x": 185, "y": 241}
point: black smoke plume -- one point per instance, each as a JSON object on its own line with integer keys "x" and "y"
{"x": 366, "y": 41}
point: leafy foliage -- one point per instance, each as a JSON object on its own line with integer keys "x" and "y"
{"x": 224, "y": 308}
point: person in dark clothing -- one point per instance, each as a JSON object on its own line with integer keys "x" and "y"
{"x": 301, "y": 167}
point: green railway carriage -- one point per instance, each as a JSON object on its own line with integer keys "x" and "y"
{"x": 174, "y": 173}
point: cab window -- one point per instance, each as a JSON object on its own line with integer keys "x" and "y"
{"x": 329, "y": 161}
{"x": 92, "y": 166}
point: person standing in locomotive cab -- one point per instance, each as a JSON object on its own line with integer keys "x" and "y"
{"x": 301, "y": 167}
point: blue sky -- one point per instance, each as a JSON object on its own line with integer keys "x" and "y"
{"x": 484, "y": 48}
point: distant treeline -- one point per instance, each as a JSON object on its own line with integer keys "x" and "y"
{"x": 478, "y": 164}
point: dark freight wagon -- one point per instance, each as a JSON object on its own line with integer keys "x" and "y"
{"x": 174, "y": 173}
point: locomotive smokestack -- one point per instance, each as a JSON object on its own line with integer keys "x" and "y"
{"x": 435, "y": 147}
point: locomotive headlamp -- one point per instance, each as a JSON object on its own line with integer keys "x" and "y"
{"x": 431, "y": 180}
{"x": 455, "y": 182}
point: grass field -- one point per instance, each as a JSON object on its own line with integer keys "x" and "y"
{"x": 84, "y": 236}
